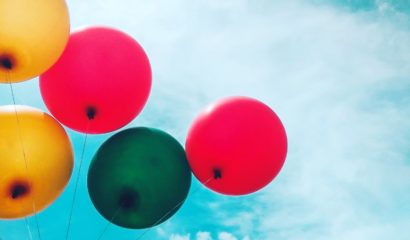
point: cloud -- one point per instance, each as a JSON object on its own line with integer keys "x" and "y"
{"x": 338, "y": 80}
{"x": 347, "y": 169}
{"x": 180, "y": 237}
{"x": 206, "y": 236}
{"x": 203, "y": 236}
{"x": 226, "y": 236}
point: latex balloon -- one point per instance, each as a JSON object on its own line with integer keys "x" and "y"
{"x": 38, "y": 140}
{"x": 100, "y": 83}
{"x": 139, "y": 178}
{"x": 33, "y": 34}
{"x": 236, "y": 146}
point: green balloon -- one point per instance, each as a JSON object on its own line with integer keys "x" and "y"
{"x": 139, "y": 178}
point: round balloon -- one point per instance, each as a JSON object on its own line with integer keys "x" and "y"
{"x": 139, "y": 178}
{"x": 36, "y": 161}
{"x": 33, "y": 35}
{"x": 100, "y": 83}
{"x": 236, "y": 146}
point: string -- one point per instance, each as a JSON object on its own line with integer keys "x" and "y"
{"x": 8, "y": 79}
{"x": 109, "y": 222}
{"x": 76, "y": 182}
{"x": 158, "y": 221}
{"x": 30, "y": 236}
{"x": 175, "y": 207}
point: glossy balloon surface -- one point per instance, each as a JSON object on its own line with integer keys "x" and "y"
{"x": 33, "y": 35}
{"x": 101, "y": 82}
{"x": 38, "y": 140}
{"x": 139, "y": 178}
{"x": 239, "y": 143}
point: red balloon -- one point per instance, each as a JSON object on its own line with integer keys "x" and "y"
{"x": 237, "y": 146}
{"x": 100, "y": 83}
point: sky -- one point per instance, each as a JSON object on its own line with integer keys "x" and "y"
{"x": 337, "y": 72}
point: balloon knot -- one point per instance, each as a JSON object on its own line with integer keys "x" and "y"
{"x": 91, "y": 111}
{"x": 217, "y": 173}
{"x": 6, "y": 62}
{"x": 129, "y": 199}
{"x": 19, "y": 190}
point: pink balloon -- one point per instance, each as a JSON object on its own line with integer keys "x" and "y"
{"x": 236, "y": 146}
{"x": 101, "y": 82}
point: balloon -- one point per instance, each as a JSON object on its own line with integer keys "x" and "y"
{"x": 33, "y": 34}
{"x": 236, "y": 146}
{"x": 100, "y": 83}
{"x": 35, "y": 138}
{"x": 139, "y": 178}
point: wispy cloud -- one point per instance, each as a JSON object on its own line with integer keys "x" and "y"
{"x": 179, "y": 237}
{"x": 339, "y": 80}
{"x": 206, "y": 236}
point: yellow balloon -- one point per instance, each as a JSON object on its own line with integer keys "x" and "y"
{"x": 33, "y": 35}
{"x": 36, "y": 161}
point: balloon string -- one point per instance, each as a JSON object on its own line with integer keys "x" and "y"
{"x": 175, "y": 207}
{"x": 28, "y": 228}
{"x": 8, "y": 79}
{"x": 109, "y": 222}
{"x": 76, "y": 182}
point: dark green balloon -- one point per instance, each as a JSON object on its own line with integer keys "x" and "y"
{"x": 139, "y": 178}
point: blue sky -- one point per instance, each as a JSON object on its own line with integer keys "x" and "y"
{"x": 336, "y": 72}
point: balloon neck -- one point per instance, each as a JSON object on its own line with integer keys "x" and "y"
{"x": 6, "y": 62}
{"x": 19, "y": 190}
{"x": 217, "y": 173}
{"x": 91, "y": 111}
{"x": 129, "y": 199}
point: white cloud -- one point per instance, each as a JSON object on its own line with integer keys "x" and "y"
{"x": 347, "y": 158}
{"x": 179, "y": 237}
{"x": 339, "y": 81}
{"x": 207, "y": 236}
{"x": 203, "y": 236}
{"x": 226, "y": 236}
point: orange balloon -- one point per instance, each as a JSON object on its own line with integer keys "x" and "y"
{"x": 33, "y": 35}
{"x": 36, "y": 161}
